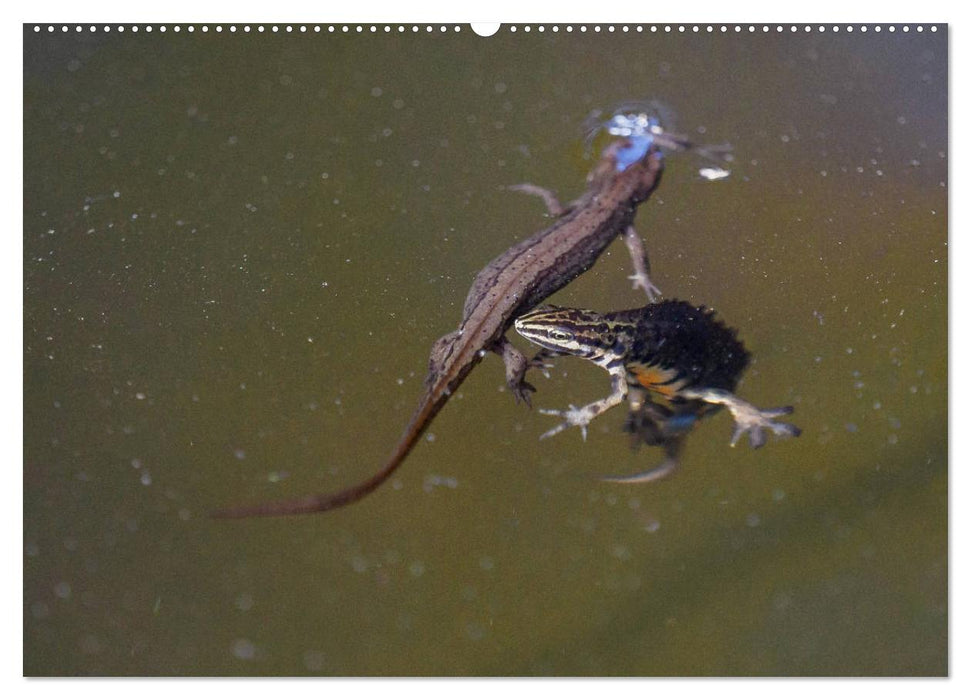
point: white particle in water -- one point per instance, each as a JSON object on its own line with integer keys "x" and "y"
{"x": 712, "y": 174}
{"x": 244, "y": 649}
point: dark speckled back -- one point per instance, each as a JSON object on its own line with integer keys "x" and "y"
{"x": 675, "y": 334}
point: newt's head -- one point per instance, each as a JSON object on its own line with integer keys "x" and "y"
{"x": 640, "y": 136}
{"x": 639, "y": 131}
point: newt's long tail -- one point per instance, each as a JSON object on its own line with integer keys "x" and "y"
{"x": 431, "y": 404}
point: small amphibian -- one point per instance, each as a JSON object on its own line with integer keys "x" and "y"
{"x": 519, "y": 279}
{"x": 674, "y": 362}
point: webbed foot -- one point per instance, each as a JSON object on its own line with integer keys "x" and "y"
{"x": 748, "y": 418}
{"x": 522, "y": 391}
{"x": 755, "y": 422}
{"x": 642, "y": 281}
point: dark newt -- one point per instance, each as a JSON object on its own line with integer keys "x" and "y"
{"x": 676, "y": 353}
{"x": 515, "y": 282}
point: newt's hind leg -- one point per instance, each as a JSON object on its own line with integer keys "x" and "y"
{"x": 438, "y": 359}
{"x": 553, "y": 205}
{"x": 748, "y": 418}
{"x": 516, "y": 366}
{"x": 651, "y": 424}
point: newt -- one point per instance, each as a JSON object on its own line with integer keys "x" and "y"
{"x": 674, "y": 362}
{"x": 628, "y": 171}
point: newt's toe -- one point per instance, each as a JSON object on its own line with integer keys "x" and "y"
{"x": 522, "y": 393}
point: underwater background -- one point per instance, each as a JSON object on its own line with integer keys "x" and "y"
{"x": 239, "y": 248}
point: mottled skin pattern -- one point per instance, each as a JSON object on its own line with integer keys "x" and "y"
{"x": 510, "y": 285}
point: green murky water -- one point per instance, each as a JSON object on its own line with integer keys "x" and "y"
{"x": 239, "y": 248}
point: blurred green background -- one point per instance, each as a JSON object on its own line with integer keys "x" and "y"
{"x": 239, "y": 247}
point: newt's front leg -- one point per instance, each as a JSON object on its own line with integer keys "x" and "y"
{"x": 582, "y": 416}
